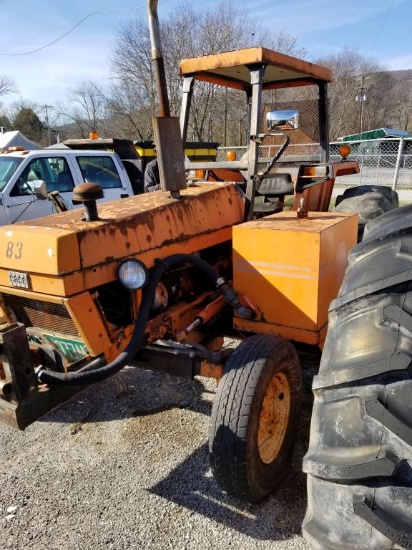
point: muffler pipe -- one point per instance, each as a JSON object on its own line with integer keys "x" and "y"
{"x": 167, "y": 134}
{"x": 157, "y": 58}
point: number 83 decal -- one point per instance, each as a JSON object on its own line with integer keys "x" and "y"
{"x": 14, "y": 250}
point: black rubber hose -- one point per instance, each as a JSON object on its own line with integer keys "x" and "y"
{"x": 148, "y": 296}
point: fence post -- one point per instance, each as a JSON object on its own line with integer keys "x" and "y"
{"x": 398, "y": 163}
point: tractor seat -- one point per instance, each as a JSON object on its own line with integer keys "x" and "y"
{"x": 273, "y": 188}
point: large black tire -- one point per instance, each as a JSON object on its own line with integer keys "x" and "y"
{"x": 369, "y": 201}
{"x": 255, "y": 417}
{"x": 359, "y": 462}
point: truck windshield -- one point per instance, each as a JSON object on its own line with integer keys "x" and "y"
{"x": 8, "y": 165}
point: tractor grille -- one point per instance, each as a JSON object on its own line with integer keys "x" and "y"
{"x": 44, "y": 315}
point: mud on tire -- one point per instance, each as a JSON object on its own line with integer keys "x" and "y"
{"x": 359, "y": 462}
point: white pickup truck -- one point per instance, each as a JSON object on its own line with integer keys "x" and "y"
{"x": 61, "y": 170}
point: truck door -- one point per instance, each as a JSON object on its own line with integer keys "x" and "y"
{"x": 61, "y": 178}
{"x": 21, "y": 204}
{"x": 19, "y": 201}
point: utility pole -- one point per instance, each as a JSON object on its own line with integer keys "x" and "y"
{"x": 46, "y": 107}
{"x": 361, "y": 98}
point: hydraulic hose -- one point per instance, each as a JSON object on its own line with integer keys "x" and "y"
{"x": 136, "y": 341}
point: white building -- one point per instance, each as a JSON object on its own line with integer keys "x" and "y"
{"x": 15, "y": 138}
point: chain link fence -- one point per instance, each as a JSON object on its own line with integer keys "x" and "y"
{"x": 381, "y": 161}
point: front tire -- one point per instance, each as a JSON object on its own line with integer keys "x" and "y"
{"x": 255, "y": 417}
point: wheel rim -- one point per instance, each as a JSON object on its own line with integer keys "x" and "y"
{"x": 274, "y": 418}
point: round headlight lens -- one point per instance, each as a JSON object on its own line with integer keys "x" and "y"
{"x": 133, "y": 274}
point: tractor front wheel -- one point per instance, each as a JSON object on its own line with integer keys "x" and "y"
{"x": 255, "y": 416}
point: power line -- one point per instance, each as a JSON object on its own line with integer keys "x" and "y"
{"x": 383, "y": 24}
{"x": 403, "y": 42}
{"x": 54, "y": 41}
{"x": 407, "y": 64}
{"x": 73, "y": 28}
{"x": 31, "y": 38}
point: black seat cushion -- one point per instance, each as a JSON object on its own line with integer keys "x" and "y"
{"x": 268, "y": 207}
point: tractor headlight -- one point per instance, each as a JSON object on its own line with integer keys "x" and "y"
{"x": 133, "y": 274}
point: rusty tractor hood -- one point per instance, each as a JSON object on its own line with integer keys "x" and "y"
{"x": 63, "y": 254}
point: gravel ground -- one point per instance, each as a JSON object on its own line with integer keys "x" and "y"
{"x": 124, "y": 465}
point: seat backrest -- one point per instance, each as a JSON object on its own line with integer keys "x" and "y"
{"x": 64, "y": 177}
{"x": 272, "y": 185}
{"x": 64, "y": 182}
{"x": 34, "y": 175}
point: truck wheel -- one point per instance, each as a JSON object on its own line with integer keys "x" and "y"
{"x": 369, "y": 201}
{"x": 255, "y": 416}
{"x": 359, "y": 462}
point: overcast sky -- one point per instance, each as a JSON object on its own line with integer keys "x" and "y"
{"x": 381, "y": 29}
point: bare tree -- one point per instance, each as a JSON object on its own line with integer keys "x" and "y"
{"x": 125, "y": 118}
{"x": 133, "y": 89}
{"x": 126, "y": 108}
{"x": 7, "y": 85}
{"x": 348, "y": 67}
{"x": 23, "y": 103}
{"x": 401, "y": 101}
{"x": 187, "y": 33}
{"x": 84, "y": 110}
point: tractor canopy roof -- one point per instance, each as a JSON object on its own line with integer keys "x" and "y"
{"x": 232, "y": 69}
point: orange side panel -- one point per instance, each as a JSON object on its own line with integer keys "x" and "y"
{"x": 292, "y": 268}
{"x": 50, "y": 252}
{"x": 317, "y": 198}
{"x": 310, "y": 337}
{"x": 48, "y": 284}
{"x": 89, "y": 323}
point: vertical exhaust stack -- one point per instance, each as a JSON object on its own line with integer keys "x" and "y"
{"x": 168, "y": 139}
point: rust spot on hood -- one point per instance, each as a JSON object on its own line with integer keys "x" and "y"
{"x": 136, "y": 225}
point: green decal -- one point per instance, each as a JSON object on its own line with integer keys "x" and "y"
{"x": 73, "y": 350}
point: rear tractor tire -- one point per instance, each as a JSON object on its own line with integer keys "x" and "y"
{"x": 359, "y": 462}
{"x": 369, "y": 201}
{"x": 255, "y": 417}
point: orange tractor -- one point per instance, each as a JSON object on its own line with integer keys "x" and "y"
{"x": 159, "y": 280}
